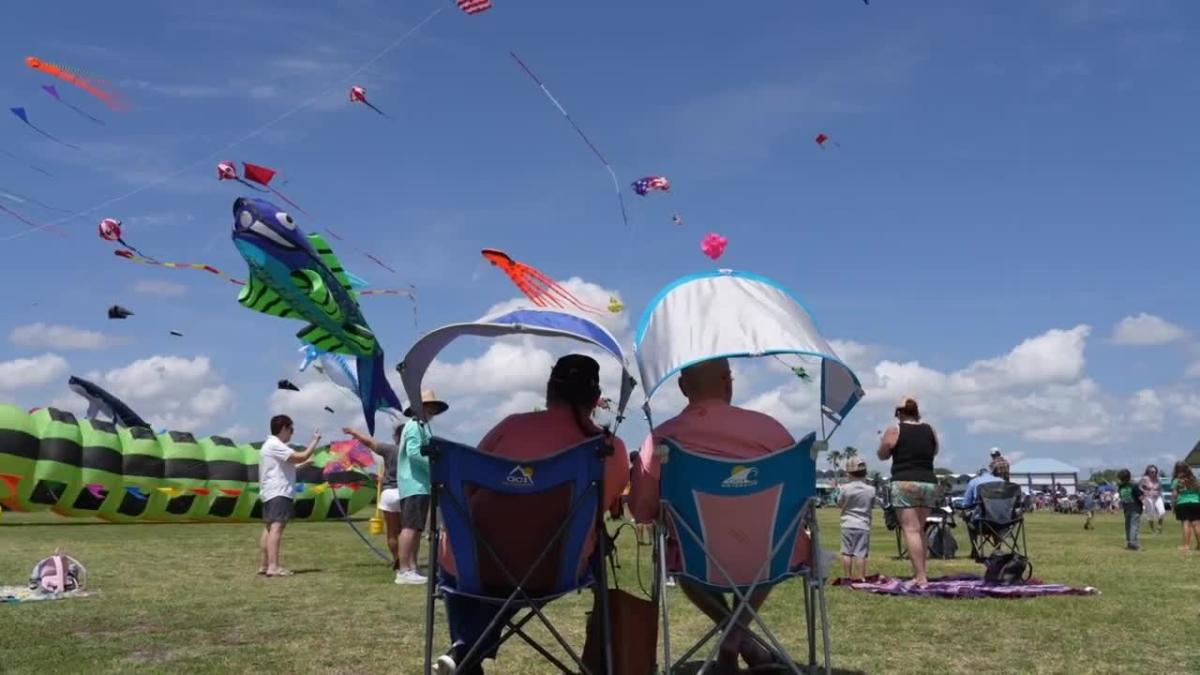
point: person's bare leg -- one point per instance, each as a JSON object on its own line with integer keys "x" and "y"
{"x": 404, "y": 548}
{"x": 274, "y": 542}
{"x": 262, "y": 548}
{"x": 862, "y": 568}
{"x": 912, "y": 521}
{"x": 847, "y": 566}
{"x": 716, "y": 608}
{"x": 415, "y": 550}
{"x": 391, "y": 522}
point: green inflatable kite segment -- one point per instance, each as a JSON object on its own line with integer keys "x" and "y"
{"x": 89, "y": 468}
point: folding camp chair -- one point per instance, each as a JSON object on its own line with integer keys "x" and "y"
{"x": 999, "y": 522}
{"x": 562, "y": 491}
{"x": 737, "y": 524}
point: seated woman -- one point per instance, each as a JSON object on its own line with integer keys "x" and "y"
{"x": 571, "y": 395}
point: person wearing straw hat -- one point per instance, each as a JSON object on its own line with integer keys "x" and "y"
{"x": 412, "y": 474}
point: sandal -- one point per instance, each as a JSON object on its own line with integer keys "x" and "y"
{"x": 281, "y": 573}
{"x": 262, "y": 572}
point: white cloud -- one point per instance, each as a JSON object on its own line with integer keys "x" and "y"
{"x": 1055, "y": 356}
{"x": 1193, "y": 370}
{"x": 164, "y": 289}
{"x": 31, "y": 372}
{"x": 1147, "y": 330}
{"x": 54, "y": 336}
{"x": 170, "y": 391}
{"x": 1038, "y": 391}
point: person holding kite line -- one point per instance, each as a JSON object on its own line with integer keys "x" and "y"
{"x": 389, "y": 496}
{"x": 712, "y": 425}
{"x": 277, "y": 483}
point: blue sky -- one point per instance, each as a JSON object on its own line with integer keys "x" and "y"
{"x": 1012, "y": 182}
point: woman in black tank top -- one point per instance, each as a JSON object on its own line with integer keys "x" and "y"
{"x": 912, "y": 445}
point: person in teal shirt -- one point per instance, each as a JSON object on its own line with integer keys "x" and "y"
{"x": 412, "y": 474}
{"x": 1187, "y": 504}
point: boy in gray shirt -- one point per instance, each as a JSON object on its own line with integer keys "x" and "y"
{"x": 856, "y": 501}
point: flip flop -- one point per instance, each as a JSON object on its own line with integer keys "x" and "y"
{"x": 261, "y": 572}
{"x": 282, "y": 573}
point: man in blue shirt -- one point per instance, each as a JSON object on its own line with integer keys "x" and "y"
{"x": 971, "y": 504}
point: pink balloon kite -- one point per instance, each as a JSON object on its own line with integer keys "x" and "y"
{"x": 714, "y": 245}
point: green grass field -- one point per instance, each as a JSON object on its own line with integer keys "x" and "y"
{"x": 184, "y": 598}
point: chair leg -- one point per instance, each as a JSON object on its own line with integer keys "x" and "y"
{"x": 810, "y": 624}
{"x": 431, "y": 589}
{"x": 661, "y": 553}
{"x": 818, "y": 567}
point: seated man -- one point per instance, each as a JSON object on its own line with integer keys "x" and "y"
{"x": 972, "y": 506}
{"x": 571, "y": 396}
{"x": 711, "y": 425}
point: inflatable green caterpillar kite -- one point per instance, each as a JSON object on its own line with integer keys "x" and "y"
{"x": 80, "y": 468}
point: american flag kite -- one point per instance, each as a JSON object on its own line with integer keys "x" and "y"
{"x": 645, "y": 185}
{"x": 474, "y": 6}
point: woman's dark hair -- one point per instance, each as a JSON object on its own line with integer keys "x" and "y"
{"x": 279, "y": 423}
{"x": 1183, "y": 474}
{"x": 1123, "y": 475}
{"x": 1148, "y": 467}
{"x": 909, "y": 410}
{"x": 575, "y": 382}
{"x": 398, "y": 433}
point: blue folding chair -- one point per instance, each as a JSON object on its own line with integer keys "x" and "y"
{"x": 572, "y": 481}
{"x": 736, "y": 523}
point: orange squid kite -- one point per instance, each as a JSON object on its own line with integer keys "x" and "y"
{"x": 536, "y": 286}
{"x": 111, "y": 99}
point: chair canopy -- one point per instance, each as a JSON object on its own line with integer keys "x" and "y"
{"x": 735, "y": 314}
{"x": 742, "y": 512}
{"x": 545, "y": 323}
{"x": 574, "y": 475}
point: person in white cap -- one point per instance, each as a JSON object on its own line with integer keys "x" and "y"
{"x": 412, "y": 474}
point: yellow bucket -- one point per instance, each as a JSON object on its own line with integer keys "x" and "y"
{"x": 375, "y": 525}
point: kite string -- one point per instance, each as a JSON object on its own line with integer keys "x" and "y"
{"x": 591, "y": 146}
{"x": 247, "y": 137}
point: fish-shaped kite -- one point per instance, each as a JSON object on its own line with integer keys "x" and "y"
{"x": 293, "y": 276}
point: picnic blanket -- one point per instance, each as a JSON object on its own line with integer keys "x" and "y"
{"x": 961, "y": 586}
{"x": 17, "y": 594}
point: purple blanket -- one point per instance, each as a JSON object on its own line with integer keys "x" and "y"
{"x": 961, "y": 586}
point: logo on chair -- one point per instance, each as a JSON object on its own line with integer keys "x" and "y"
{"x": 740, "y": 477}
{"x": 520, "y": 475}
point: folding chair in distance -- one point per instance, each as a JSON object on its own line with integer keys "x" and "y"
{"x": 740, "y": 527}
{"x": 562, "y": 491}
{"x": 1000, "y": 527}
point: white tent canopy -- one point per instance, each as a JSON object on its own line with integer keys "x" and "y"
{"x": 545, "y": 323}
{"x": 735, "y": 314}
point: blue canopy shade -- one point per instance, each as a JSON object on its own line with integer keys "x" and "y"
{"x": 545, "y": 323}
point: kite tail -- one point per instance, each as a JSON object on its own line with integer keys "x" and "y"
{"x": 372, "y": 107}
{"x": 277, "y": 193}
{"x": 126, "y": 245}
{"x": 373, "y": 388}
{"x": 250, "y": 185}
{"x": 554, "y": 288}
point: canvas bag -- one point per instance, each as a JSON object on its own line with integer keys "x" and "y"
{"x": 633, "y": 628}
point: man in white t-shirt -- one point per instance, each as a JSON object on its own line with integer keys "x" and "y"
{"x": 277, "y": 483}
